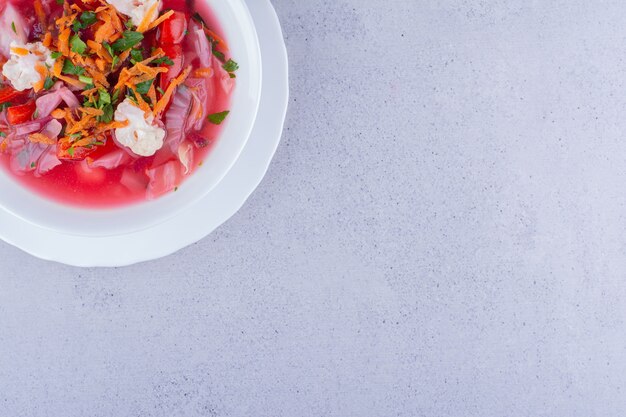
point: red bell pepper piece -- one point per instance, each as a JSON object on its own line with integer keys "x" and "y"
{"x": 175, "y": 53}
{"x": 9, "y": 94}
{"x": 172, "y": 31}
{"x": 21, "y": 114}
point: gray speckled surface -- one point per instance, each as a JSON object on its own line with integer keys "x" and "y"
{"x": 441, "y": 233}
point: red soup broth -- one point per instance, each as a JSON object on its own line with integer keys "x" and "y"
{"x": 76, "y": 183}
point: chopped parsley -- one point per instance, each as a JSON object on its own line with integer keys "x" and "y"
{"x": 13, "y": 27}
{"x": 55, "y": 55}
{"x": 85, "y": 79}
{"x": 3, "y": 135}
{"x": 49, "y": 83}
{"x": 163, "y": 60}
{"x": 107, "y": 117}
{"x": 88, "y": 18}
{"x": 218, "y": 118}
{"x": 127, "y": 41}
{"x": 33, "y": 165}
{"x": 231, "y": 66}
{"x": 144, "y": 87}
{"x": 71, "y": 69}
{"x": 219, "y": 55}
{"x": 5, "y": 106}
{"x": 136, "y": 56}
{"x": 77, "y": 45}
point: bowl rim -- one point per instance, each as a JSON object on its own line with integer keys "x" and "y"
{"x": 46, "y": 213}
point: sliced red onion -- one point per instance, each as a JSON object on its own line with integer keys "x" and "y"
{"x": 111, "y": 160}
{"x": 30, "y": 127}
{"x": 48, "y": 161}
{"x": 163, "y": 179}
{"x": 176, "y": 119}
{"x": 52, "y": 129}
{"x": 185, "y": 156}
{"x": 202, "y": 44}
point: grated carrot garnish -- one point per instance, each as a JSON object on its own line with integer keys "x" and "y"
{"x": 149, "y": 17}
{"x": 58, "y": 114}
{"x": 41, "y": 138}
{"x": 163, "y": 102}
{"x": 152, "y": 94}
{"x": 47, "y": 39}
{"x": 41, "y": 14}
{"x": 161, "y": 19}
{"x": 221, "y": 42}
{"x": 43, "y": 72}
{"x": 203, "y": 72}
{"x": 20, "y": 51}
{"x": 64, "y": 41}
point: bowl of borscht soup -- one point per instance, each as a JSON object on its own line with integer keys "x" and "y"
{"x": 117, "y": 114}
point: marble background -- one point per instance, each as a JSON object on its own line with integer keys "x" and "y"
{"x": 441, "y": 233}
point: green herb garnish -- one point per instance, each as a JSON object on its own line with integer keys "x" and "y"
{"x": 85, "y": 79}
{"x": 55, "y": 54}
{"x": 219, "y": 55}
{"x": 144, "y": 87}
{"x": 88, "y": 19}
{"x": 163, "y": 60}
{"x": 218, "y": 118}
{"x": 231, "y": 66}
{"x": 77, "y": 45}
{"x": 107, "y": 117}
{"x": 49, "y": 83}
{"x": 136, "y": 56}
{"x": 128, "y": 40}
{"x": 13, "y": 27}
{"x": 71, "y": 69}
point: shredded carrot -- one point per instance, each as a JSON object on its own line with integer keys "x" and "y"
{"x": 64, "y": 41}
{"x": 47, "y": 39}
{"x": 58, "y": 114}
{"x": 152, "y": 94}
{"x": 162, "y": 104}
{"x": 43, "y": 72}
{"x": 203, "y": 72}
{"x": 20, "y": 51}
{"x": 41, "y": 138}
{"x": 41, "y": 14}
{"x": 91, "y": 111}
{"x": 221, "y": 42}
{"x": 161, "y": 19}
{"x": 149, "y": 17}
{"x": 110, "y": 126}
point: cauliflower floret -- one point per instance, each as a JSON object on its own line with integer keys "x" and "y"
{"x": 137, "y": 9}
{"x": 22, "y": 69}
{"x": 141, "y": 135}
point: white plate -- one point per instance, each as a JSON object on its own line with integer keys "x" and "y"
{"x": 238, "y": 26}
{"x": 193, "y": 223}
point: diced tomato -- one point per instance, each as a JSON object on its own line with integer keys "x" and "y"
{"x": 175, "y": 53}
{"x": 21, "y": 114}
{"x": 172, "y": 31}
{"x": 9, "y": 94}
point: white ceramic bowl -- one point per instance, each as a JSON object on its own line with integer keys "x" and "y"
{"x": 239, "y": 30}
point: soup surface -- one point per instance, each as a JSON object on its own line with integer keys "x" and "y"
{"x": 110, "y": 102}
